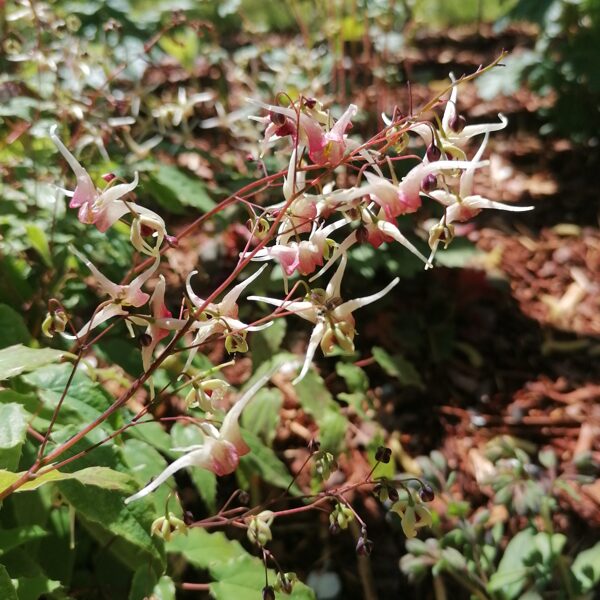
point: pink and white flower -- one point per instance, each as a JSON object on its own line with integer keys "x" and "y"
{"x": 106, "y": 207}
{"x": 333, "y": 319}
{"x": 121, "y": 295}
{"x": 221, "y": 450}
{"x": 220, "y": 317}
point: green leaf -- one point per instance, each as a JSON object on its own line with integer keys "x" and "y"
{"x": 317, "y": 401}
{"x": 511, "y": 576}
{"x": 164, "y": 589}
{"x": 173, "y": 189}
{"x": 13, "y": 538}
{"x": 261, "y": 416}
{"x": 332, "y": 431}
{"x": 125, "y": 530}
{"x": 13, "y": 428}
{"x": 32, "y": 588}
{"x": 39, "y": 242}
{"x": 205, "y": 550}
{"x": 123, "y": 352}
{"x": 84, "y": 401}
{"x": 263, "y": 462}
{"x": 19, "y": 359}
{"x": 313, "y": 395}
{"x": 102, "y": 477}
{"x": 238, "y": 574}
{"x": 13, "y": 328}
{"x": 397, "y": 366}
{"x": 355, "y": 377}
{"x": 142, "y": 584}
{"x": 586, "y": 568}
{"x": 7, "y": 589}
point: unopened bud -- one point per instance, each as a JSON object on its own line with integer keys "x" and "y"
{"x": 268, "y": 593}
{"x": 310, "y": 102}
{"x": 259, "y": 528}
{"x": 108, "y": 177}
{"x": 55, "y": 322}
{"x": 285, "y": 582}
{"x": 457, "y": 123}
{"x": 429, "y": 182}
{"x": 167, "y": 526}
{"x": 364, "y": 547}
{"x": 172, "y": 240}
{"x": 433, "y": 153}
{"x": 383, "y": 454}
{"x": 426, "y": 493}
{"x": 313, "y": 445}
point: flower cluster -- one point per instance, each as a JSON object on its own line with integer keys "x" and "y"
{"x": 298, "y": 233}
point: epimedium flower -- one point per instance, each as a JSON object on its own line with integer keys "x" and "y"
{"x": 206, "y": 393}
{"x": 220, "y": 317}
{"x": 323, "y": 146}
{"x": 332, "y": 317}
{"x": 464, "y": 205}
{"x": 159, "y": 325}
{"x": 413, "y": 516}
{"x": 106, "y": 207}
{"x": 401, "y": 198}
{"x": 121, "y": 295}
{"x": 453, "y": 132}
{"x": 222, "y": 448}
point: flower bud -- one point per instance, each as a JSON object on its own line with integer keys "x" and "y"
{"x": 259, "y": 528}
{"x": 108, "y": 177}
{"x": 268, "y": 593}
{"x": 383, "y": 454}
{"x": 285, "y": 582}
{"x": 393, "y": 494}
{"x": 324, "y": 463}
{"x": 167, "y": 526}
{"x": 429, "y": 182}
{"x": 313, "y": 445}
{"x": 364, "y": 547}
{"x": 426, "y": 493}
{"x": 457, "y": 123}
{"x": 310, "y": 102}
{"x": 55, "y": 322}
{"x": 433, "y": 153}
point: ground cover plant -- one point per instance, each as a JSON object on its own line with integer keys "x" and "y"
{"x": 257, "y": 340}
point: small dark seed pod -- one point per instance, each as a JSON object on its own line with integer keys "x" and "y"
{"x": 268, "y": 593}
{"x": 383, "y": 454}
{"x": 426, "y": 493}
